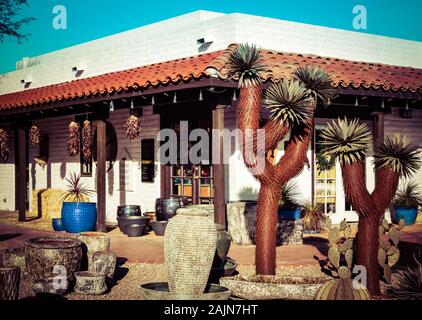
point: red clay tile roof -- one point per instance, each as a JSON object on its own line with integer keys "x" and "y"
{"x": 344, "y": 73}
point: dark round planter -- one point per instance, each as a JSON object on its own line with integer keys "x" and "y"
{"x": 57, "y": 224}
{"x": 159, "y": 227}
{"x": 289, "y": 213}
{"x": 48, "y": 257}
{"x": 407, "y": 214}
{"x": 223, "y": 245}
{"x": 129, "y": 210}
{"x": 79, "y": 216}
{"x": 165, "y": 208}
{"x": 133, "y": 226}
{"x": 9, "y": 283}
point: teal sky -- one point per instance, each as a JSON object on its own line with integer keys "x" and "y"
{"x": 89, "y": 19}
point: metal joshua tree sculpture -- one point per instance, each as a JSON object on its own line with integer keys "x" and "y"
{"x": 292, "y": 103}
{"x": 348, "y": 142}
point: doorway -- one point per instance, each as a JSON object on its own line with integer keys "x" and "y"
{"x": 194, "y": 181}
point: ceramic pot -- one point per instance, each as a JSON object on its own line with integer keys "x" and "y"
{"x": 104, "y": 263}
{"x": 129, "y": 210}
{"x": 15, "y": 257}
{"x": 9, "y": 283}
{"x": 57, "y": 224}
{"x": 166, "y": 208}
{"x": 48, "y": 257}
{"x": 159, "y": 227}
{"x": 133, "y": 226}
{"x": 93, "y": 241}
{"x": 190, "y": 242}
{"x": 223, "y": 245}
{"x": 90, "y": 283}
{"x": 79, "y": 216}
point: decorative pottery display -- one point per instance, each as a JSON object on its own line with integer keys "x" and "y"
{"x": 93, "y": 241}
{"x": 159, "y": 227}
{"x": 133, "y": 226}
{"x": 273, "y": 287}
{"x": 226, "y": 269}
{"x": 9, "y": 283}
{"x": 79, "y": 216}
{"x": 52, "y": 285}
{"x": 15, "y": 257}
{"x": 104, "y": 263}
{"x": 166, "y": 208}
{"x": 223, "y": 245}
{"x": 88, "y": 282}
{"x": 408, "y": 214}
{"x": 129, "y": 210}
{"x": 160, "y": 291}
{"x": 48, "y": 257}
{"x": 189, "y": 247}
{"x": 57, "y": 224}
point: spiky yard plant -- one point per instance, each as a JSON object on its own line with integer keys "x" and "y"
{"x": 408, "y": 196}
{"x": 409, "y": 283}
{"x": 77, "y": 191}
{"x": 292, "y": 102}
{"x": 314, "y": 217}
{"x": 349, "y": 141}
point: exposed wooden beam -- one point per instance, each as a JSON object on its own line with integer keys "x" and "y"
{"x": 219, "y": 168}
{"x": 101, "y": 175}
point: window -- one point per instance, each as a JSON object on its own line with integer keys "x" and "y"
{"x": 325, "y": 177}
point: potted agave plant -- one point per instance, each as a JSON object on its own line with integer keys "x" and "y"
{"x": 314, "y": 219}
{"x": 406, "y": 203}
{"x": 289, "y": 207}
{"x": 78, "y": 215}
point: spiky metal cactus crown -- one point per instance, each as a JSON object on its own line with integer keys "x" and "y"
{"x": 245, "y": 63}
{"x": 345, "y": 140}
{"x": 289, "y": 102}
{"x": 398, "y": 154}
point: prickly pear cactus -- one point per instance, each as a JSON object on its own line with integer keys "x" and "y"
{"x": 388, "y": 252}
{"x": 340, "y": 254}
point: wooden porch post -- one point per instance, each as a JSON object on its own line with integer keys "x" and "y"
{"x": 101, "y": 175}
{"x": 22, "y": 174}
{"x": 378, "y": 131}
{"x": 218, "y": 168}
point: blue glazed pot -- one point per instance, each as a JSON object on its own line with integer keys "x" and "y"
{"x": 79, "y": 216}
{"x": 408, "y": 214}
{"x": 287, "y": 213}
{"x": 57, "y": 224}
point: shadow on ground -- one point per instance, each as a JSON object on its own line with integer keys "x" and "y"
{"x": 8, "y": 236}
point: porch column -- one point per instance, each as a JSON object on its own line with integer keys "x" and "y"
{"x": 101, "y": 175}
{"x": 378, "y": 131}
{"x": 218, "y": 168}
{"x": 22, "y": 174}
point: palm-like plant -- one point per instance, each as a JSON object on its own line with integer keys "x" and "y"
{"x": 348, "y": 142}
{"x": 289, "y": 102}
{"x": 246, "y": 64}
{"x": 408, "y": 196}
{"x": 77, "y": 190}
{"x": 398, "y": 154}
{"x": 292, "y": 103}
{"x": 317, "y": 81}
{"x": 345, "y": 140}
{"x": 313, "y": 216}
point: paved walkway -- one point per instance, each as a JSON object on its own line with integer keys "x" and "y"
{"x": 149, "y": 248}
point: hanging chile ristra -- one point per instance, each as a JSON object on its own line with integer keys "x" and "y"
{"x": 87, "y": 137}
{"x": 133, "y": 128}
{"x": 4, "y": 149}
{"x": 73, "y": 139}
{"x": 34, "y": 135}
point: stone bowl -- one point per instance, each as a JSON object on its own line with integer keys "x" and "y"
{"x": 273, "y": 287}
{"x": 125, "y": 222}
{"x": 160, "y": 291}
{"x": 227, "y": 268}
{"x": 135, "y": 230}
{"x": 159, "y": 227}
{"x": 88, "y": 282}
{"x": 47, "y": 257}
